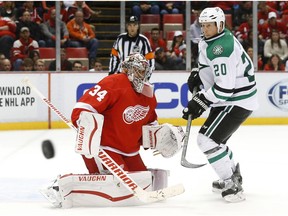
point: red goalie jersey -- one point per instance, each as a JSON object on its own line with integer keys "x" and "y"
{"x": 125, "y": 112}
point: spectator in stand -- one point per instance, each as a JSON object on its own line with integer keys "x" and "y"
{"x": 242, "y": 32}
{"x": 145, "y": 7}
{"x": 27, "y": 65}
{"x": 195, "y": 35}
{"x": 9, "y": 10}
{"x": 97, "y": 66}
{"x": 47, "y": 5}
{"x": 248, "y": 42}
{"x": 66, "y": 65}
{"x": 274, "y": 64}
{"x": 82, "y": 35}
{"x": 263, "y": 11}
{"x": 39, "y": 65}
{"x": 173, "y": 7}
{"x": 165, "y": 62}
{"x": 77, "y": 66}
{"x": 249, "y": 51}
{"x": 283, "y": 7}
{"x": 48, "y": 30}
{"x": 88, "y": 13}
{"x": 34, "y": 55}
{"x": 34, "y": 14}
{"x": 7, "y": 35}
{"x": 63, "y": 11}
{"x": 22, "y": 47}
{"x": 5, "y": 65}
{"x": 241, "y": 13}
{"x": 178, "y": 40}
{"x": 182, "y": 63}
{"x": 272, "y": 24}
{"x": 274, "y": 4}
{"x": 2, "y": 57}
{"x": 156, "y": 40}
{"x": 34, "y": 28}
{"x": 276, "y": 45}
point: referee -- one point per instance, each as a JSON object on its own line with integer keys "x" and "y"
{"x": 130, "y": 42}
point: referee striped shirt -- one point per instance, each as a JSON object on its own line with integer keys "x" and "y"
{"x": 126, "y": 45}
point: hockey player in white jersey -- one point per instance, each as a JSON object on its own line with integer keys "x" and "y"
{"x": 227, "y": 76}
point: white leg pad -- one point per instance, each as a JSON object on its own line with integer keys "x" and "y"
{"x": 100, "y": 190}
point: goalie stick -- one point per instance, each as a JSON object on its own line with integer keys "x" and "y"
{"x": 184, "y": 161}
{"x": 114, "y": 168}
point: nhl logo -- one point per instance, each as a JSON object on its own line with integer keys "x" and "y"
{"x": 217, "y": 50}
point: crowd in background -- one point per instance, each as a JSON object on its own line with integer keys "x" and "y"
{"x": 27, "y": 25}
{"x": 272, "y": 32}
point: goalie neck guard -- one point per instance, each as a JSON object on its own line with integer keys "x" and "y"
{"x": 136, "y": 67}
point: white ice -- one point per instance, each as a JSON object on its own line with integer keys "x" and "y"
{"x": 261, "y": 150}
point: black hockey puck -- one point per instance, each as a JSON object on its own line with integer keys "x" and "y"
{"x": 48, "y": 149}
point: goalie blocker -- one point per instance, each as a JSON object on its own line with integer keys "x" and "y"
{"x": 84, "y": 190}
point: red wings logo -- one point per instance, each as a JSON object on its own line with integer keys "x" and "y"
{"x": 134, "y": 114}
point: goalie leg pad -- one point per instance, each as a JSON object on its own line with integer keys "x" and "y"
{"x": 165, "y": 138}
{"x": 79, "y": 190}
{"x": 89, "y": 133}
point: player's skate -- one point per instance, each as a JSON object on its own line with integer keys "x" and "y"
{"x": 233, "y": 191}
{"x": 218, "y": 185}
{"x": 51, "y": 193}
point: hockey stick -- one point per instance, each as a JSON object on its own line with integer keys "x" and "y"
{"x": 114, "y": 168}
{"x": 184, "y": 161}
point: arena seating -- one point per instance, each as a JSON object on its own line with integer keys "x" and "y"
{"x": 149, "y": 21}
{"x": 48, "y": 54}
{"x": 172, "y": 22}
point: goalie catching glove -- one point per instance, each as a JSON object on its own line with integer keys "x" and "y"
{"x": 165, "y": 138}
{"x": 89, "y": 134}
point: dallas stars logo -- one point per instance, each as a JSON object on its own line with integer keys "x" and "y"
{"x": 217, "y": 50}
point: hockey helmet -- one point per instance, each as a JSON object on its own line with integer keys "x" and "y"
{"x": 137, "y": 69}
{"x": 213, "y": 14}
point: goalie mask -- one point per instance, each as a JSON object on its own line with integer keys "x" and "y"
{"x": 136, "y": 67}
{"x": 213, "y": 14}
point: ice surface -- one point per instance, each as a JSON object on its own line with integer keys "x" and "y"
{"x": 261, "y": 150}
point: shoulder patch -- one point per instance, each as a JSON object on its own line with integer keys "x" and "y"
{"x": 222, "y": 47}
{"x": 218, "y": 50}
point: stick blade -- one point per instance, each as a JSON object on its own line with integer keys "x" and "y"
{"x": 186, "y": 164}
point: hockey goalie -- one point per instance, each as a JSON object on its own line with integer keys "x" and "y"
{"x": 117, "y": 116}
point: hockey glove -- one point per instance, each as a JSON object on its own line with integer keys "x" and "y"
{"x": 196, "y": 106}
{"x": 194, "y": 80}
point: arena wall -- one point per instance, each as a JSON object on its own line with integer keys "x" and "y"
{"x": 21, "y": 108}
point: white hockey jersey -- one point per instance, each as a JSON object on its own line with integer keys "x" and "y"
{"x": 227, "y": 72}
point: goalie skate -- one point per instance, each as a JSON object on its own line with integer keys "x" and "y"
{"x": 52, "y": 194}
{"x": 219, "y": 185}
